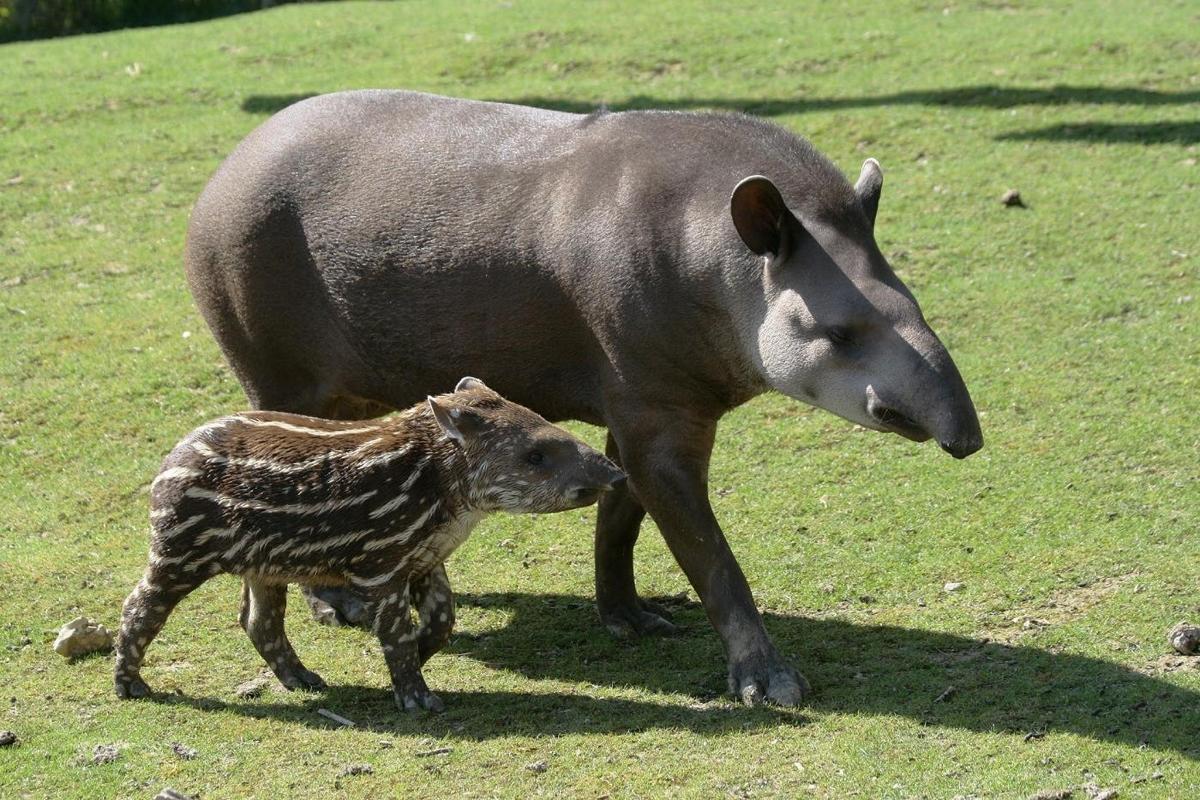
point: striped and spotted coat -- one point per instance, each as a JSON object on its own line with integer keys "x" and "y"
{"x": 375, "y": 506}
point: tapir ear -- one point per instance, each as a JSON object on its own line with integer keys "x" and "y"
{"x": 460, "y": 424}
{"x": 870, "y": 184}
{"x": 470, "y": 383}
{"x": 760, "y": 215}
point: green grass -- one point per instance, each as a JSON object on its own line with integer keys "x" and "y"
{"x": 1075, "y": 322}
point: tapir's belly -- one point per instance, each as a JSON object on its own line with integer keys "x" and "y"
{"x": 425, "y": 324}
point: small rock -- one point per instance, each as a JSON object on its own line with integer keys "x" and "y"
{"x": 1012, "y": 198}
{"x": 183, "y": 751}
{"x": 953, "y": 586}
{"x": 946, "y": 695}
{"x": 7, "y": 738}
{"x": 248, "y": 690}
{"x": 81, "y": 636}
{"x": 338, "y": 718}
{"x": 170, "y": 794}
{"x": 358, "y": 769}
{"x": 1105, "y": 794}
{"x": 437, "y": 751}
{"x": 1185, "y": 639}
{"x": 537, "y": 767}
{"x": 1051, "y": 794}
{"x": 105, "y": 754}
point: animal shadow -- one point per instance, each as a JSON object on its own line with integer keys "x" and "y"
{"x": 482, "y": 715}
{"x": 1112, "y": 133}
{"x": 982, "y": 96}
{"x": 854, "y": 668}
{"x": 976, "y": 96}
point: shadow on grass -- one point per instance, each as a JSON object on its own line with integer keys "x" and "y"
{"x": 1113, "y": 133}
{"x": 875, "y": 670}
{"x": 856, "y": 669}
{"x": 981, "y": 96}
{"x": 486, "y": 715}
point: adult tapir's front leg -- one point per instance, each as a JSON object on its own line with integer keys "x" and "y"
{"x": 666, "y": 456}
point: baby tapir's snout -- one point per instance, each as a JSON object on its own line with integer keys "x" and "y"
{"x": 593, "y": 474}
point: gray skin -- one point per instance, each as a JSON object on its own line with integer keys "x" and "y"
{"x": 633, "y": 270}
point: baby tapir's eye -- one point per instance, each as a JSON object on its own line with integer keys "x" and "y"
{"x": 535, "y": 457}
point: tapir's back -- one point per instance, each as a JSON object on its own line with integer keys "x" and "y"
{"x": 370, "y": 246}
{"x": 365, "y": 234}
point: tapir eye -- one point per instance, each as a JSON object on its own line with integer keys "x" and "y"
{"x": 535, "y": 457}
{"x": 839, "y": 335}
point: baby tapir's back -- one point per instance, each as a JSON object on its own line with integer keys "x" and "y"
{"x": 304, "y": 499}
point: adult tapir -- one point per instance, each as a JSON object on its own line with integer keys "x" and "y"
{"x": 645, "y": 271}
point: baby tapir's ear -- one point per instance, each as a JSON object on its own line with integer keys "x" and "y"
{"x": 470, "y": 383}
{"x": 460, "y": 424}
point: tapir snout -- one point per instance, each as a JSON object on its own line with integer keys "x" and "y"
{"x": 950, "y": 419}
{"x": 597, "y": 476}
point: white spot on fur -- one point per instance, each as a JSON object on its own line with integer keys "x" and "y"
{"x": 287, "y": 426}
{"x": 401, "y": 498}
{"x": 403, "y": 536}
{"x": 245, "y": 504}
{"x": 175, "y": 474}
{"x": 175, "y": 530}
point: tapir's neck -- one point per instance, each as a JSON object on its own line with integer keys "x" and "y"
{"x": 737, "y": 283}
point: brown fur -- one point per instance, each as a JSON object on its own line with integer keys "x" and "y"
{"x": 377, "y": 506}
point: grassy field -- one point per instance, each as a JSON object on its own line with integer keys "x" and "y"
{"x": 1075, "y": 322}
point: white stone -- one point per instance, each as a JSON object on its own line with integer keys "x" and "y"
{"x": 81, "y": 636}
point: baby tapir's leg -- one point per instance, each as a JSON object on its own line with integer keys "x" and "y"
{"x": 393, "y": 625}
{"x": 434, "y": 600}
{"x": 145, "y": 611}
{"x": 263, "y": 606}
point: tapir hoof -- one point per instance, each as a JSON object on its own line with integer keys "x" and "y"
{"x": 304, "y": 680}
{"x": 419, "y": 700}
{"x": 643, "y": 619}
{"x": 131, "y": 688}
{"x": 768, "y": 681}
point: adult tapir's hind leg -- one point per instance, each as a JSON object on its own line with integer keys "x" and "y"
{"x": 618, "y": 521}
{"x": 145, "y": 611}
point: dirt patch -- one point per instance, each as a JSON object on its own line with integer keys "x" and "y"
{"x": 105, "y": 754}
{"x": 1064, "y": 605}
{"x": 1172, "y": 662}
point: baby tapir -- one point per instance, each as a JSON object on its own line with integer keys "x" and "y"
{"x": 377, "y": 506}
